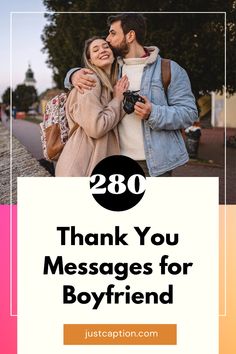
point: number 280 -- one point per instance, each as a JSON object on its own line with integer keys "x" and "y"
{"x": 135, "y": 184}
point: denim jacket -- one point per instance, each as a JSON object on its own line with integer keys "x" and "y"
{"x": 164, "y": 146}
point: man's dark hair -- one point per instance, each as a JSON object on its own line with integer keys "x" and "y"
{"x": 135, "y": 22}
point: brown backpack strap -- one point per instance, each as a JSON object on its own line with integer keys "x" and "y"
{"x": 165, "y": 73}
{"x": 166, "y": 78}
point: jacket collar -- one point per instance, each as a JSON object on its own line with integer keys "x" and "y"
{"x": 153, "y": 51}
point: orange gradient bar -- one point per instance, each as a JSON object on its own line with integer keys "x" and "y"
{"x": 120, "y": 334}
{"x": 228, "y": 303}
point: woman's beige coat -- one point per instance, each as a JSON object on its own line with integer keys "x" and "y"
{"x": 96, "y": 137}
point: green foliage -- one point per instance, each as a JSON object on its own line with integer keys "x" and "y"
{"x": 23, "y": 97}
{"x": 6, "y": 96}
{"x": 195, "y": 41}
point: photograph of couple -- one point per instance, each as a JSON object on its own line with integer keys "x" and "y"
{"x": 149, "y": 86}
{"x": 120, "y": 70}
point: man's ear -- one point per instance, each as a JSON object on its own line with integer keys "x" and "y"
{"x": 131, "y": 36}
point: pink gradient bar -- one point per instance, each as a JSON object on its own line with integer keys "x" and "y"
{"x": 8, "y": 323}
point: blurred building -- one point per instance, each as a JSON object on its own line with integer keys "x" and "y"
{"x": 29, "y": 77}
{"x": 217, "y": 110}
{"x": 223, "y": 112}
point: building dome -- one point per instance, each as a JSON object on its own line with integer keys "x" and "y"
{"x": 29, "y": 77}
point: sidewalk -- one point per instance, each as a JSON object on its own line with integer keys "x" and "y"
{"x": 28, "y": 134}
{"x": 23, "y": 165}
{"x": 211, "y": 162}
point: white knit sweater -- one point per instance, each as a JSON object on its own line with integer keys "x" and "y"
{"x": 130, "y": 128}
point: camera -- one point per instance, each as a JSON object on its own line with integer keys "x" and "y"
{"x": 130, "y": 98}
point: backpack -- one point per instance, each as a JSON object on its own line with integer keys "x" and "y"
{"x": 55, "y": 129}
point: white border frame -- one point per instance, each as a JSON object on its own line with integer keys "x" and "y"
{"x": 225, "y": 155}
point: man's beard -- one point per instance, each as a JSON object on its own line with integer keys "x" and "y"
{"x": 122, "y": 50}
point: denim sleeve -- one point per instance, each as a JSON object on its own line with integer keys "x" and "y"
{"x": 67, "y": 81}
{"x": 181, "y": 111}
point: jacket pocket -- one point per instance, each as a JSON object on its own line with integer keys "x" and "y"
{"x": 178, "y": 139}
{"x": 157, "y": 92}
{"x": 170, "y": 148}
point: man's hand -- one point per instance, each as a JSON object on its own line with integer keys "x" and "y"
{"x": 82, "y": 80}
{"x": 143, "y": 110}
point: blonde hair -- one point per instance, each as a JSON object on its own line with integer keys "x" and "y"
{"x": 106, "y": 81}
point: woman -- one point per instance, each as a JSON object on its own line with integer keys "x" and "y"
{"x": 97, "y": 113}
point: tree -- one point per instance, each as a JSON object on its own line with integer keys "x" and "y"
{"x": 6, "y": 96}
{"x": 196, "y": 41}
{"x": 24, "y": 96}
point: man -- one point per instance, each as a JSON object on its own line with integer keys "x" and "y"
{"x": 151, "y": 135}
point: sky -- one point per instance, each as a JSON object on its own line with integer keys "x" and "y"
{"x": 26, "y": 44}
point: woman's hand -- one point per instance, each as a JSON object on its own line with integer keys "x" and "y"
{"x": 120, "y": 87}
{"x": 82, "y": 80}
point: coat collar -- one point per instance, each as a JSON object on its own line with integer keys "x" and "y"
{"x": 153, "y": 51}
